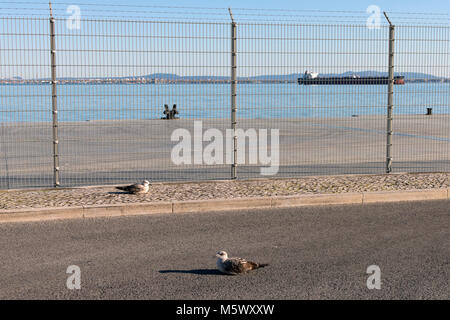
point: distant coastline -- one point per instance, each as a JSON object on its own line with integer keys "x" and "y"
{"x": 166, "y": 81}
{"x": 138, "y": 81}
{"x": 168, "y": 78}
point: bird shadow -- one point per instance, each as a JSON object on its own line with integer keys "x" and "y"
{"x": 203, "y": 272}
{"x": 118, "y": 192}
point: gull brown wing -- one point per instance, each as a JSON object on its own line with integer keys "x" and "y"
{"x": 135, "y": 188}
{"x": 250, "y": 265}
{"x": 132, "y": 188}
{"x": 236, "y": 265}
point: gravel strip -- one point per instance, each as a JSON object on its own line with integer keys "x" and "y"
{"x": 225, "y": 190}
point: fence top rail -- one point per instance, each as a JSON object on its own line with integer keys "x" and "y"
{"x": 242, "y": 23}
{"x": 334, "y": 25}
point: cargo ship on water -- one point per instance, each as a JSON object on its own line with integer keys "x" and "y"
{"x": 314, "y": 78}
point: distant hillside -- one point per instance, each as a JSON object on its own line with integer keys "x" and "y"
{"x": 293, "y": 76}
{"x": 286, "y": 77}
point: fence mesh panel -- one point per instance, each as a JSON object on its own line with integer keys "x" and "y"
{"x": 421, "y": 141}
{"x": 115, "y": 76}
{"x": 25, "y": 107}
{"x": 324, "y": 129}
{"x": 111, "y": 129}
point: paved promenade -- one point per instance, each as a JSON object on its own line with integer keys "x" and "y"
{"x": 113, "y": 152}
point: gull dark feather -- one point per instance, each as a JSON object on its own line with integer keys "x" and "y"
{"x": 136, "y": 188}
{"x": 236, "y": 265}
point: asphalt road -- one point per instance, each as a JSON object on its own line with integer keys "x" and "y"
{"x": 314, "y": 253}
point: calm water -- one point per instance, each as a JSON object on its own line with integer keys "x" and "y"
{"x": 134, "y": 101}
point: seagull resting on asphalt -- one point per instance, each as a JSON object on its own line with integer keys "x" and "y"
{"x": 136, "y": 188}
{"x": 235, "y": 266}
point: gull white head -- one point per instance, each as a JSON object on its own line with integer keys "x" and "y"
{"x": 222, "y": 255}
{"x": 145, "y": 183}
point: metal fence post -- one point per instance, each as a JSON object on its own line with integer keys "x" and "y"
{"x": 390, "y": 104}
{"x": 54, "y": 100}
{"x": 233, "y": 95}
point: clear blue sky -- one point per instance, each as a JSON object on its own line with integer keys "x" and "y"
{"x": 418, "y": 6}
{"x": 139, "y": 55}
{"x": 358, "y": 5}
{"x": 387, "y": 5}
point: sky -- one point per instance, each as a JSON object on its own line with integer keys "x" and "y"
{"x": 390, "y": 6}
{"x": 438, "y": 6}
{"x": 204, "y": 49}
{"x": 400, "y": 5}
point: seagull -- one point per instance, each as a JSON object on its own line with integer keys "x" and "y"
{"x": 136, "y": 188}
{"x": 235, "y": 266}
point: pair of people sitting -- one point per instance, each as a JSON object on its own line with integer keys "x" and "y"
{"x": 170, "y": 114}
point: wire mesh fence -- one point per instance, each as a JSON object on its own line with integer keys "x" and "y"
{"x": 310, "y": 99}
{"x": 325, "y": 129}
{"x": 25, "y": 106}
{"x": 422, "y": 122}
{"x": 113, "y": 131}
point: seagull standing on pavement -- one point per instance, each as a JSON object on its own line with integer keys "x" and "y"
{"x": 136, "y": 188}
{"x": 235, "y": 266}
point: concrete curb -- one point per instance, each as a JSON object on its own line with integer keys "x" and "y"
{"x": 130, "y": 209}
